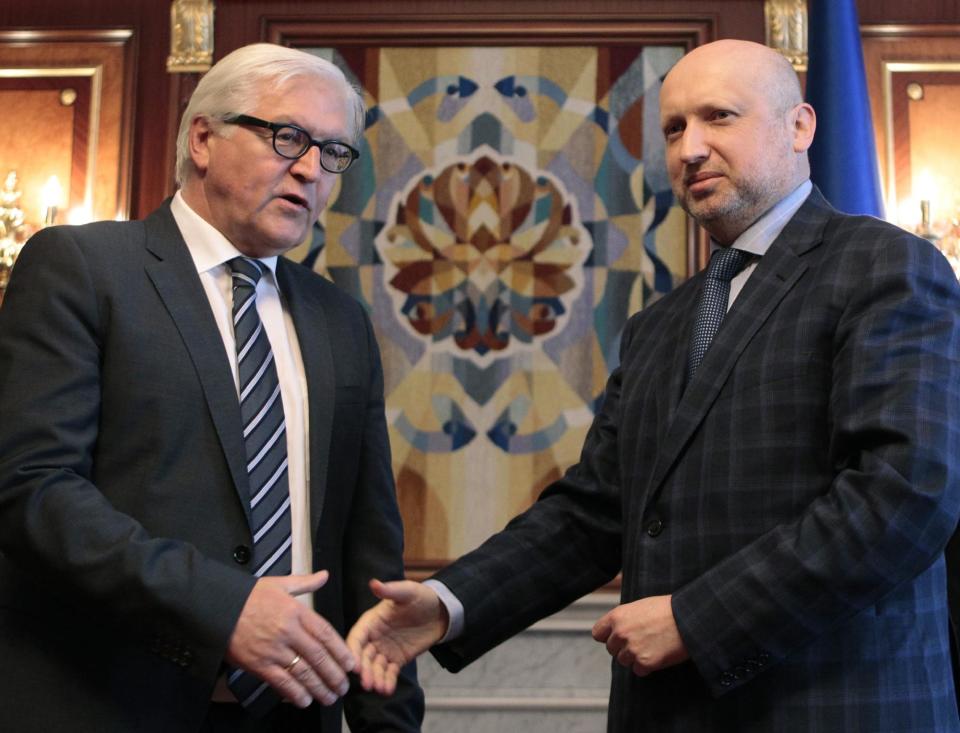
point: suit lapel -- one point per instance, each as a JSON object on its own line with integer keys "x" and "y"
{"x": 680, "y": 324}
{"x": 776, "y": 273}
{"x": 174, "y": 275}
{"x": 310, "y": 322}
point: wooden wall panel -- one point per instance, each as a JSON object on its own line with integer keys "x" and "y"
{"x": 242, "y": 21}
{"x": 885, "y": 47}
{"x": 28, "y": 149}
{"x": 915, "y": 11}
{"x": 149, "y": 22}
{"x": 101, "y": 62}
{"x": 159, "y": 97}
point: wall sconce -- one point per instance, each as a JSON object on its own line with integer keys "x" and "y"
{"x": 14, "y": 230}
{"x": 923, "y": 193}
{"x": 937, "y": 223}
{"x": 51, "y": 196}
{"x": 11, "y": 215}
{"x": 11, "y": 227}
{"x": 81, "y": 215}
{"x": 919, "y": 98}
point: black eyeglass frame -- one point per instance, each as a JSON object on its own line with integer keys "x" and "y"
{"x": 275, "y": 127}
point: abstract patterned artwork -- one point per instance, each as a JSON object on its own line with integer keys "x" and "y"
{"x": 509, "y": 211}
{"x": 485, "y": 255}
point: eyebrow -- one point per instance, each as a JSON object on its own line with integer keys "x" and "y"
{"x": 314, "y": 136}
{"x": 702, "y": 109}
{"x": 670, "y": 121}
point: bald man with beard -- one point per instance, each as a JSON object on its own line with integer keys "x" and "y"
{"x": 779, "y": 504}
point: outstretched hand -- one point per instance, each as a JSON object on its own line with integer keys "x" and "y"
{"x": 408, "y": 620}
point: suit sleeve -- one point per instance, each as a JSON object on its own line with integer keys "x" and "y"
{"x": 374, "y": 549}
{"x": 566, "y": 545}
{"x": 56, "y": 527}
{"x": 892, "y": 432}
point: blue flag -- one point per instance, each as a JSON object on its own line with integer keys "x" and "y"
{"x": 843, "y": 157}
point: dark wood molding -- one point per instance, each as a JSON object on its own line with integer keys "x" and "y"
{"x": 910, "y": 30}
{"x": 32, "y": 36}
{"x": 182, "y": 86}
{"x": 244, "y": 21}
{"x": 480, "y": 30}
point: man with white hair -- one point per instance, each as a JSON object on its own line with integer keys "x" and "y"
{"x": 195, "y": 478}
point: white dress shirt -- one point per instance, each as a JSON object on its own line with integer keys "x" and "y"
{"x": 760, "y": 235}
{"x": 211, "y": 252}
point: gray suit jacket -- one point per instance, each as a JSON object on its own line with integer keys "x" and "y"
{"x": 795, "y": 498}
{"x": 123, "y": 518}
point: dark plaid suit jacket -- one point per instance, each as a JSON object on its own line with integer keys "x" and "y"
{"x": 795, "y": 499}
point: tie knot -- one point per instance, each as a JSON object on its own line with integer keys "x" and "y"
{"x": 245, "y": 271}
{"x": 726, "y": 262}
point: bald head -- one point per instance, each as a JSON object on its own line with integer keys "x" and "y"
{"x": 754, "y": 64}
{"x": 737, "y": 132}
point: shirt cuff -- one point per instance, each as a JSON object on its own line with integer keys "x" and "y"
{"x": 454, "y": 609}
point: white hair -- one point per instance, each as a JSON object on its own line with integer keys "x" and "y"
{"x": 234, "y": 84}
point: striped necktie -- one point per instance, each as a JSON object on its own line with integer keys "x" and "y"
{"x": 724, "y": 265}
{"x": 265, "y": 439}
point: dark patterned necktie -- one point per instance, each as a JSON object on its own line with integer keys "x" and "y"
{"x": 265, "y": 439}
{"x": 724, "y": 265}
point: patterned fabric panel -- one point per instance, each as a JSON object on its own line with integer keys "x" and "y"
{"x": 509, "y": 211}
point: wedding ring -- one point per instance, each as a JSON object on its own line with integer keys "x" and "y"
{"x": 293, "y": 664}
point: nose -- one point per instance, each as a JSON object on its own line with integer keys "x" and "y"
{"x": 308, "y": 166}
{"x": 693, "y": 144}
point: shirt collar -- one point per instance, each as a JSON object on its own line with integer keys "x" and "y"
{"x": 763, "y": 232}
{"x": 207, "y": 246}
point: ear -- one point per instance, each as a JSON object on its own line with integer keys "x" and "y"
{"x": 803, "y": 121}
{"x": 200, "y": 136}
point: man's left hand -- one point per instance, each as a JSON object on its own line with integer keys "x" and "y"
{"x": 642, "y": 635}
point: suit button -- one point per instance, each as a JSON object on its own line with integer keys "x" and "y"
{"x": 655, "y": 528}
{"x": 241, "y": 554}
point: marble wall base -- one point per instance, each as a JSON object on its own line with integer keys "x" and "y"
{"x": 552, "y": 678}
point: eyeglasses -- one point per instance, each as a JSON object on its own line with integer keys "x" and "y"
{"x": 293, "y": 142}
